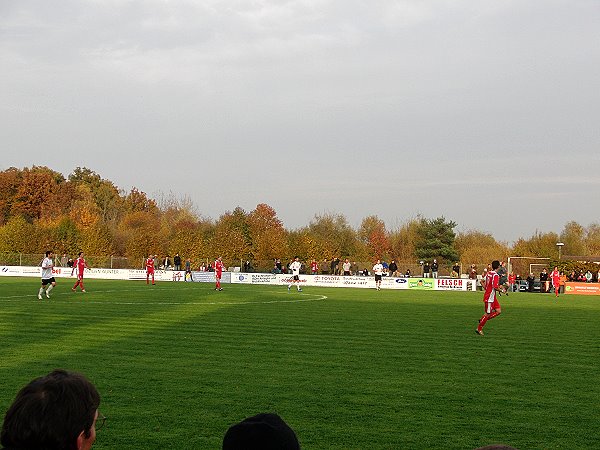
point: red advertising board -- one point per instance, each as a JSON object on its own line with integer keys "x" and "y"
{"x": 582, "y": 288}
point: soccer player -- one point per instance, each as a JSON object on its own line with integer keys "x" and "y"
{"x": 490, "y": 302}
{"x": 150, "y": 269}
{"x": 80, "y": 265}
{"x": 219, "y": 267}
{"x": 555, "y": 277}
{"x": 48, "y": 281}
{"x": 378, "y": 270}
{"x": 295, "y": 268}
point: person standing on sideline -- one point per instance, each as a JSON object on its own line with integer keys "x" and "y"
{"x": 150, "y": 269}
{"x": 188, "y": 270}
{"x": 80, "y": 265}
{"x": 426, "y": 269}
{"x": 295, "y": 267}
{"x": 346, "y": 267}
{"x": 378, "y": 271}
{"x": 555, "y": 278}
{"x": 434, "y": 268}
{"x": 393, "y": 268}
{"x": 48, "y": 281}
{"x": 219, "y": 266}
{"x": 177, "y": 261}
{"x": 492, "y": 307}
{"x": 314, "y": 267}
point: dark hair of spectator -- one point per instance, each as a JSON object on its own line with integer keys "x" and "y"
{"x": 51, "y": 412}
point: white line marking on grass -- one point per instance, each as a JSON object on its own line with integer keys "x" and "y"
{"x": 142, "y": 303}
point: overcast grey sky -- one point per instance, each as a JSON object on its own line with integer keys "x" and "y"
{"x": 393, "y": 108}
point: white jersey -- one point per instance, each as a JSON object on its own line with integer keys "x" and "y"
{"x": 47, "y": 268}
{"x": 295, "y": 267}
{"x": 378, "y": 269}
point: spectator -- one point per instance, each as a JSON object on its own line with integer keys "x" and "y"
{"x": 188, "y": 270}
{"x": 177, "y": 261}
{"x": 473, "y": 272}
{"x": 264, "y": 432}
{"x": 278, "y": 266}
{"x": 456, "y": 270}
{"x": 248, "y": 267}
{"x": 511, "y": 282}
{"x": 335, "y": 266}
{"x": 354, "y": 268}
{"x": 58, "y": 411}
{"x": 407, "y": 274}
{"x": 346, "y": 266}
{"x": 314, "y": 267}
{"x": 530, "y": 282}
{"x": 64, "y": 260}
{"x": 324, "y": 267}
{"x": 544, "y": 281}
{"x": 393, "y": 268}
{"x": 426, "y": 269}
{"x": 386, "y": 268}
{"x": 588, "y": 277}
{"x": 434, "y": 268}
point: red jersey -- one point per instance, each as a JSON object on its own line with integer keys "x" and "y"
{"x": 314, "y": 266}
{"x": 150, "y": 265}
{"x": 491, "y": 284}
{"x": 80, "y": 264}
{"x": 219, "y": 267}
{"x": 555, "y": 277}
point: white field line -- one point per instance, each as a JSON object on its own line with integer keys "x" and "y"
{"x": 61, "y": 299}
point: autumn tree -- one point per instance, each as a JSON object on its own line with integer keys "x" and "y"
{"x": 231, "y": 239}
{"x": 36, "y": 192}
{"x": 573, "y": 236}
{"x": 373, "y": 235}
{"x": 334, "y": 235}
{"x": 403, "y": 240}
{"x": 477, "y": 247}
{"x": 266, "y": 233}
{"x": 18, "y": 236}
{"x": 540, "y": 245}
{"x": 10, "y": 179}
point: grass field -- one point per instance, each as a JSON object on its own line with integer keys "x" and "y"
{"x": 177, "y": 363}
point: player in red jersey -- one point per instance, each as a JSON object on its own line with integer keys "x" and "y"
{"x": 219, "y": 267}
{"x": 80, "y": 265}
{"x": 555, "y": 277}
{"x": 492, "y": 307}
{"x": 150, "y": 269}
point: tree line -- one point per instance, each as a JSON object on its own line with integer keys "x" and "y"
{"x": 41, "y": 209}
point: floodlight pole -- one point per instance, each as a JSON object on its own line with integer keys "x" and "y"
{"x": 560, "y": 246}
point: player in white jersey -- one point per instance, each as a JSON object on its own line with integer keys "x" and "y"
{"x": 378, "y": 271}
{"x": 295, "y": 267}
{"x": 48, "y": 281}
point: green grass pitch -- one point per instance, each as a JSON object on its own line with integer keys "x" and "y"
{"x": 177, "y": 363}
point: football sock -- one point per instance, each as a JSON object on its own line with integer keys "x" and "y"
{"x": 49, "y": 289}
{"x": 482, "y": 322}
{"x": 41, "y": 291}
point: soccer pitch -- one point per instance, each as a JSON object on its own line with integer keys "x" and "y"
{"x": 177, "y": 363}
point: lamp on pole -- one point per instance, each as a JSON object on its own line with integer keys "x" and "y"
{"x": 560, "y": 246}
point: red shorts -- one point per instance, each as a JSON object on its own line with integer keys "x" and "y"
{"x": 150, "y": 272}
{"x": 490, "y": 306}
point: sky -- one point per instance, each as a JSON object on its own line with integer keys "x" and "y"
{"x": 484, "y": 112}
